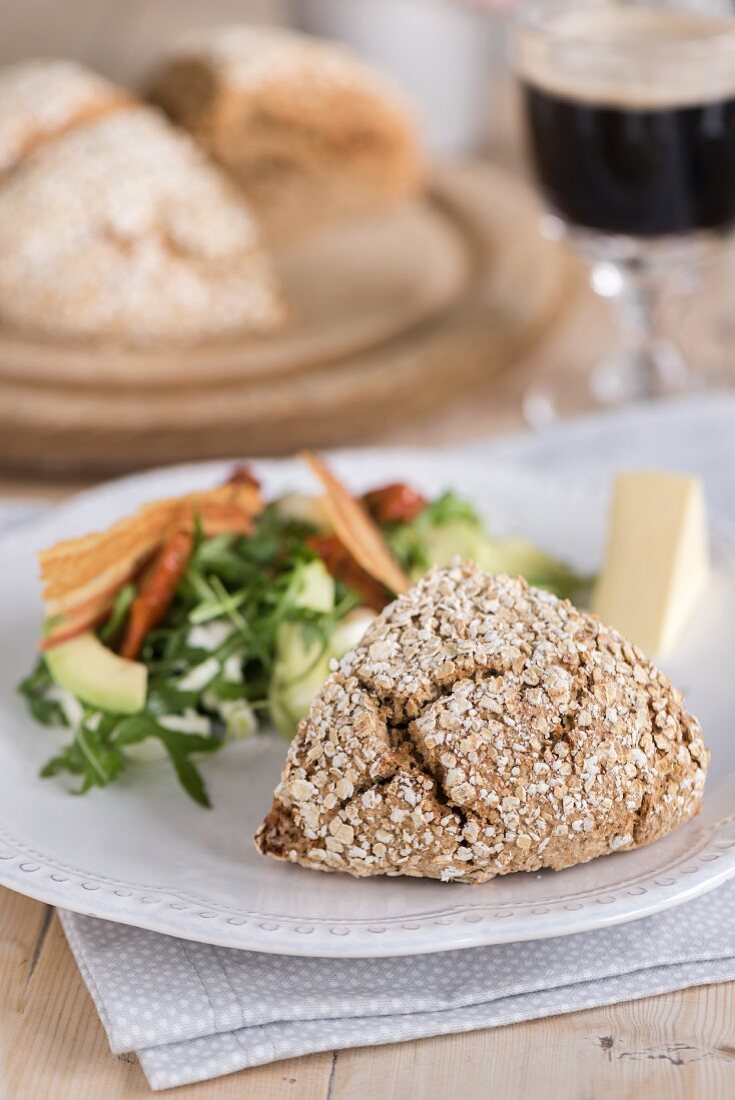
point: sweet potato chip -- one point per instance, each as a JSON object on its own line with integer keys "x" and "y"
{"x": 83, "y": 571}
{"x": 356, "y": 530}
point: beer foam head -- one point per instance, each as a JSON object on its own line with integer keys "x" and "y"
{"x": 630, "y": 57}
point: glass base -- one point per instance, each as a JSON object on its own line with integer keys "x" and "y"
{"x": 660, "y": 372}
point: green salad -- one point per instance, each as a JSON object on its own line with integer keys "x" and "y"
{"x": 247, "y": 636}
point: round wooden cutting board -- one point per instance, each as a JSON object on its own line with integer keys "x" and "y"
{"x": 507, "y": 284}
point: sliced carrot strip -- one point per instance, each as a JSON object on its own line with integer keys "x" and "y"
{"x": 342, "y": 566}
{"x": 157, "y": 590}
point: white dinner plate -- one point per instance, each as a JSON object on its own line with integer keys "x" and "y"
{"x": 142, "y": 853}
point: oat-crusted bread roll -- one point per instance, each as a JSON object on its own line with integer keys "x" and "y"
{"x": 310, "y": 132}
{"x": 119, "y": 229}
{"x": 41, "y": 98}
{"x": 482, "y": 727}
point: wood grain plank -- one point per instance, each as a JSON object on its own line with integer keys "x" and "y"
{"x": 52, "y": 1044}
{"x": 22, "y": 931}
{"x": 677, "y": 1047}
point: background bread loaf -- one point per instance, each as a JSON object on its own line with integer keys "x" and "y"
{"x": 115, "y": 226}
{"x": 309, "y": 132}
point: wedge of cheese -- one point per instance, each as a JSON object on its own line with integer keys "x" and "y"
{"x": 657, "y": 561}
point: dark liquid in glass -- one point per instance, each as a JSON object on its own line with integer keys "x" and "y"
{"x": 643, "y": 172}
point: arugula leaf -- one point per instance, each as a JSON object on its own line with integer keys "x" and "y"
{"x": 90, "y": 755}
{"x": 447, "y": 508}
{"x": 97, "y": 755}
{"x": 179, "y": 747}
{"x": 34, "y": 689}
{"x": 166, "y": 698}
{"x": 118, "y": 615}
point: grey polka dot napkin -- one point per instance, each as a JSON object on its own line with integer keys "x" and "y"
{"x": 192, "y": 1011}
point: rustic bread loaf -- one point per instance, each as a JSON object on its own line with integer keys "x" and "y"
{"x": 309, "y": 132}
{"x": 40, "y": 99}
{"x": 119, "y": 229}
{"x": 482, "y": 727}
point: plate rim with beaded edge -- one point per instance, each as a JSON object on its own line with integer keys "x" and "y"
{"x": 142, "y": 854}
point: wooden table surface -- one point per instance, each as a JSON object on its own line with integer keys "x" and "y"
{"x": 682, "y": 1045}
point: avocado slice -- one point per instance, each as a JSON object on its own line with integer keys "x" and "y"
{"x": 460, "y": 538}
{"x": 518, "y": 557}
{"x": 513, "y": 555}
{"x": 303, "y": 509}
{"x": 299, "y": 671}
{"x": 315, "y": 587}
{"x": 89, "y": 670}
{"x": 302, "y": 663}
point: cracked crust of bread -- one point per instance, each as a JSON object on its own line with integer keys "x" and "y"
{"x": 483, "y": 727}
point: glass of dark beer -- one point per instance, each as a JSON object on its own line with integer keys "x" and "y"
{"x": 630, "y": 113}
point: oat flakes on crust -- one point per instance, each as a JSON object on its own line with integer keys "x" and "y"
{"x": 481, "y": 727}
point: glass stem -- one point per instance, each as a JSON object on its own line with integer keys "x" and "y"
{"x": 648, "y": 364}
